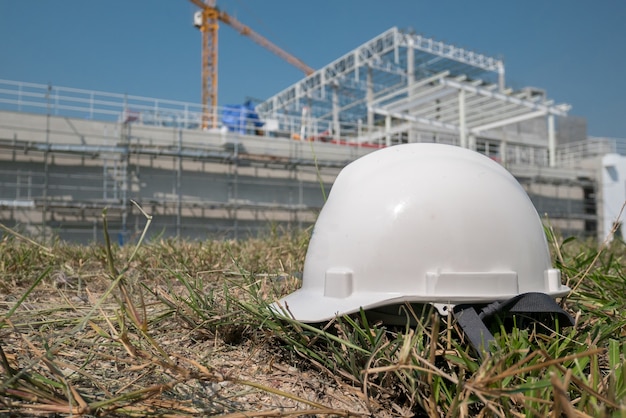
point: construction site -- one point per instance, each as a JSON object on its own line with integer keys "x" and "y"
{"x": 205, "y": 171}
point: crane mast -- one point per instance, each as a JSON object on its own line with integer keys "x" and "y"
{"x": 206, "y": 20}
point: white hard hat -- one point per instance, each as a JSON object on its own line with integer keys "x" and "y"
{"x": 423, "y": 223}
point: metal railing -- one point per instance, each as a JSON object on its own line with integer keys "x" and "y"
{"x": 568, "y": 155}
{"x": 96, "y": 105}
{"x": 121, "y": 108}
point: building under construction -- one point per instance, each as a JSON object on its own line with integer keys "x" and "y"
{"x": 67, "y": 154}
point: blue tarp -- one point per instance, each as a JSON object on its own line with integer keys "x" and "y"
{"x": 241, "y": 118}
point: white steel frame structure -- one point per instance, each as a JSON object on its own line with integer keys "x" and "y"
{"x": 400, "y": 84}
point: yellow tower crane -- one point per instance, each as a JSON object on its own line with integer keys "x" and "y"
{"x": 206, "y": 19}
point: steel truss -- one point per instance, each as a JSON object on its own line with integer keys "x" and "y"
{"x": 407, "y": 83}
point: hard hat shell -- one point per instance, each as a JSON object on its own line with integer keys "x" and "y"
{"x": 425, "y": 223}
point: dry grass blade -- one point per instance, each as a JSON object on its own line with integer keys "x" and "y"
{"x": 540, "y": 366}
{"x": 430, "y": 369}
{"x": 562, "y": 403}
{"x": 298, "y": 413}
{"x": 45, "y": 249}
{"x": 279, "y": 392}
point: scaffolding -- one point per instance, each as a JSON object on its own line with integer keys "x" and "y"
{"x": 57, "y": 176}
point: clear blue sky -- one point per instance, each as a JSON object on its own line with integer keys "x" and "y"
{"x": 574, "y": 49}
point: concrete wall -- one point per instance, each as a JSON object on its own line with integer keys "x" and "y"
{"x": 57, "y": 174}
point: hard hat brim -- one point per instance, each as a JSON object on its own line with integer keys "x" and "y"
{"x": 306, "y": 305}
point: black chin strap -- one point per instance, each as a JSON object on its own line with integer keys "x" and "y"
{"x": 531, "y": 305}
{"x": 473, "y": 327}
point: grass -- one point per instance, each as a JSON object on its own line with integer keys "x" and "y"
{"x": 181, "y": 328}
